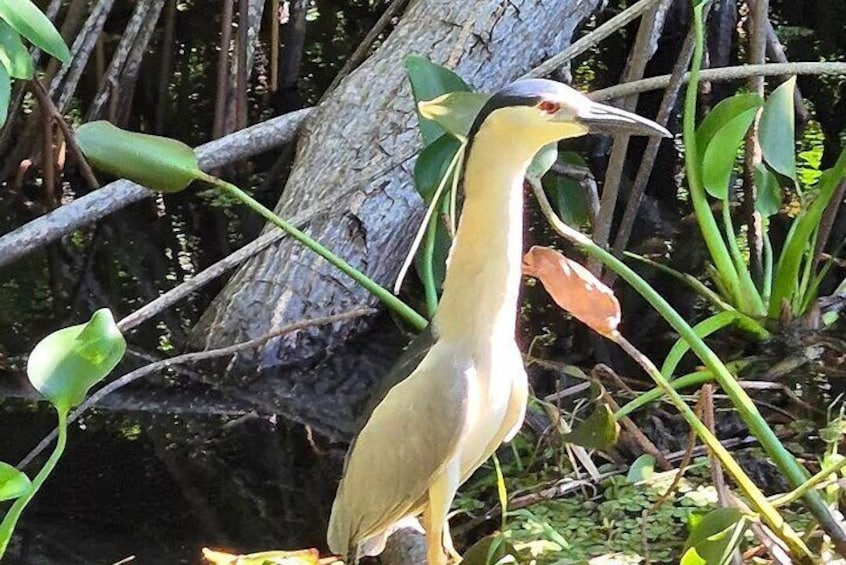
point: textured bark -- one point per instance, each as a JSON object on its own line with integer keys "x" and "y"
{"x": 364, "y": 136}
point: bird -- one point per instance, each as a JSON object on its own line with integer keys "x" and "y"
{"x": 460, "y": 389}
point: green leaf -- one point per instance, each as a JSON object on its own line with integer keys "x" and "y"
{"x": 786, "y": 280}
{"x": 714, "y": 537}
{"x": 13, "y": 53}
{"x": 489, "y": 550}
{"x": 159, "y": 163}
{"x": 769, "y": 197}
{"x": 642, "y": 468}
{"x": 68, "y": 362}
{"x": 776, "y": 132}
{"x": 454, "y": 112}
{"x": 428, "y": 81}
{"x": 597, "y": 431}
{"x": 567, "y": 195}
{"x": 718, "y": 138}
{"x": 432, "y": 165}
{"x": 542, "y": 161}
{"x": 5, "y": 94}
{"x": 26, "y": 19}
{"x": 13, "y": 483}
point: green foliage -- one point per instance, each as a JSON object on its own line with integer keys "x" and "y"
{"x": 159, "y": 163}
{"x": 598, "y": 431}
{"x": 777, "y": 130}
{"x": 14, "y": 56}
{"x": 13, "y": 483}
{"x": 428, "y": 81}
{"x": 67, "y": 363}
{"x": 567, "y": 196}
{"x": 714, "y": 537}
{"x": 62, "y": 367}
{"x": 25, "y": 18}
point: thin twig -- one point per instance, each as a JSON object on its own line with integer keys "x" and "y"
{"x": 590, "y": 40}
{"x": 723, "y": 73}
{"x": 141, "y": 372}
{"x": 48, "y": 106}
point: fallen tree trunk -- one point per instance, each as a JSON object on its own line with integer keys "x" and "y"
{"x": 364, "y": 135}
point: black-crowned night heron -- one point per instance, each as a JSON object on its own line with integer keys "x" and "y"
{"x": 451, "y": 404}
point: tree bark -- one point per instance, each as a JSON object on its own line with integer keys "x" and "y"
{"x": 364, "y": 135}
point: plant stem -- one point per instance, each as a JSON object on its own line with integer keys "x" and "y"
{"x": 390, "y": 300}
{"x": 769, "y": 514}
{"x": 7, "y": 527}
{"x": 428, "y": 274}
{"x": 704, "y": 216}
{"x": 747, "y": 287}
{"x": 747, "y": 410}
{"x": 813, "y": 482}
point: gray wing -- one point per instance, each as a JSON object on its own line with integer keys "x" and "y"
{"x": 407, "y": 440}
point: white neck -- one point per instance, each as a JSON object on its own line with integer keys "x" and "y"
{"x": 483, "y": 276}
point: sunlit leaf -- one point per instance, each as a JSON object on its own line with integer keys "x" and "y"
{"x": 542, "y": 161}
{"x": 68, "y": 362}
{"x": 776, "y": 131}
{"x": 13, "y": 53}
{"x": 598, "y": 431}
{"x": 159, "y": 163}
{"x": 13, "y": 483}
{"x": 574, "y": 289}
{"x": 428, "y": 81}
{"x": 769, "y": 197}
{"x": 5, "y": 94}
{"x": 714, "y": 537}
{"x": 454, "y": 111}
{"x": 26, "y": 19}
{"x": 719, "y": 137}
{"x": 642, "y": 468}
{"x": 299, "y": 557}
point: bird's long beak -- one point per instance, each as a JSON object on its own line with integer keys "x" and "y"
{"x": 600, "y": 118}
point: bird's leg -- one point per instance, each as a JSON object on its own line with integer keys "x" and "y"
{"x": 441, "y": 493}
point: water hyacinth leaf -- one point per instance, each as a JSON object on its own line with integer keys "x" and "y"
{"x": 714, "y": 537}
{"x": 542, "y": 161}
{"x": 13, "y": 53}
{"x": 574, "y": 289}
{"x": 13, "y": 483}
{"x": 568, "y": 197}
{"x": 776, "y": 131}
{"x": 598, "y": 431}
{"x": 5, "y": 94}
{"x": 719, "y": 138}
{"x": 454, "y": 112}
{"x": 26, "y": 19}
{"x": 429, "y": 80}
{"x": 642, "y": 469}
{"x": 769, "y": 197}
{"x": 67, "y": 363}
{"x": 159, "y": 163}
{"x": 432, "y": 165}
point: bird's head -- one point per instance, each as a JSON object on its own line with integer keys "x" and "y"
{"x": 537, "y": 112}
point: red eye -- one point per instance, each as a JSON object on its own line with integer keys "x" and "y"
{"x": 549, "y": 107}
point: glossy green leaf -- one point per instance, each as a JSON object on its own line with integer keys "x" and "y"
{"x": 68, "y": 362}
{"x": 568, "y": 197}
{"x": 776, "y": 131}
{"x": 719, "y": 137}
{"x": 159, "y": 163}
{"x": 5, "y": 94}
{"x": 786, "y": 280}
{"x": 542, "y": 161}
{"x": 489, "y": 550}
{"x": 428, "y": 81}
{"x": 642, "y": 468}
{"x": 769, "y": 197}
{"x": 13, "y": 483}
{"x": 13, "y": 53}
{"x": 598, "y": 431}
{"x": 454, "y": 112}
{"x": 714, "y": 537}
{"x": 26, "y": 19}
{"x": 432, "y": 165}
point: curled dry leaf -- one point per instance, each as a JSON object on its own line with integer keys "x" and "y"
{"x": 574, "y": 289}
{"x": 299, "y": 557}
